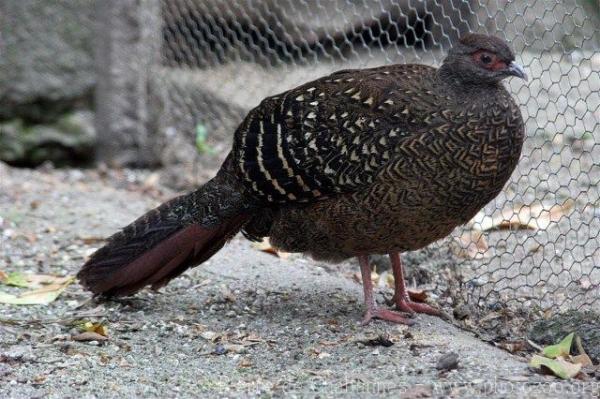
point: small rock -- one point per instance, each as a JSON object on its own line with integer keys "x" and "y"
{"x": 449, "y": 361}
{"x": 220, "y": 350}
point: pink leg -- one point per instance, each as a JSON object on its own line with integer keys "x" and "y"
{"x": 401, "y": 298}
{"x": 374, "y": 312}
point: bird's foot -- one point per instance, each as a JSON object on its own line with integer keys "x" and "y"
{"x": 385, "y": 314}
{"x": 406, "y": 305}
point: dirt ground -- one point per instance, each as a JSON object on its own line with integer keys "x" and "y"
{"x": 245, "y": 324}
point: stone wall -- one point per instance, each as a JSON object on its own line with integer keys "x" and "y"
{"x": 46, "y": 57}
{"x": 47, "y": 78}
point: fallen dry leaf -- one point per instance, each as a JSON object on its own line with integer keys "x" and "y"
{"x": 389, "y": 280}
{"x": 30, "y": 280}
{"x": 210, "y": 336}
{"x": 356, "y": 276}
{"x": 584, "y": 360}
{"x": 529, "y": 217}
{"x": 253, "y": 338}
{"x": 413, "y": 294}
{"x": 471, "y": 244}
{"x": 89, "y": 336}
{"x": 41, "y": 296}
{"x": 39, "y": 379}
{"x": 556, "y": 359}
{"x": 583, "y": 357}
{"x": 265, "y": 246}
{"x": 513, "y": 346}
{"x": 417, "y": 295}
{"x": 235, "y": 348}
{"x": 559, "y": 366}
{"x": 375, "y": 277}
{"x": 97, "y": 328}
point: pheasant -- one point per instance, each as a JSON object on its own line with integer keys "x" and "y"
{"x": 359, "y": 162}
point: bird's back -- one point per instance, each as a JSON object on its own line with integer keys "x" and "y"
{"x": 330, "y": 135}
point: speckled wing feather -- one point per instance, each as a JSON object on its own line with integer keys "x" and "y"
{"x": 334, "y": 134}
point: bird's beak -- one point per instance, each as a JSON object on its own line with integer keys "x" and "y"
{"x": 517, "y": 70}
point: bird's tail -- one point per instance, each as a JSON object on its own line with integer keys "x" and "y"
{"x": 163, "y": 243}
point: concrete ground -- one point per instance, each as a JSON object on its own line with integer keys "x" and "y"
{"x": 245, "y": 324}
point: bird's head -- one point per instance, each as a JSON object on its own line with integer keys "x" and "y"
{"x": 481, "y": 59}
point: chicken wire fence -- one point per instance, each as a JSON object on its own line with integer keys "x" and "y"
{"x": 532, "y": 252}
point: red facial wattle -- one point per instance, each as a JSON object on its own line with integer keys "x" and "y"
{"x": 498, "y": 65}
{"x": 495, "y": 63}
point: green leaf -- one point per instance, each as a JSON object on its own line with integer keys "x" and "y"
{"x": 16, "y": 280}
{"x": 559, "y": 366}
{"x": 561, "y": 349}
{"x": 201, "y": 136}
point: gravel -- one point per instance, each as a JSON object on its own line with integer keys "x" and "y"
{"x": 245, "y": 324}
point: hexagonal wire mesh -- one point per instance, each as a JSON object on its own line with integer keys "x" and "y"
{"x": 540, "y": 246}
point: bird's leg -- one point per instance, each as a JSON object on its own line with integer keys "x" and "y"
{"x": 401, "y": 298}
{"x": 373, "y": 311}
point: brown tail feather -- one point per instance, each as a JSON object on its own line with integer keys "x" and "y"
{"x": 166, "y": 241}
{"x": 186, "y": 248}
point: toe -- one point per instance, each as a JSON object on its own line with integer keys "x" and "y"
{"x": 387, "y": 315}
{"x": 414, "y": 307}
{"x": 423, "y": 308}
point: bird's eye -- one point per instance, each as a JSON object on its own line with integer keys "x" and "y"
{"x": 485, "y": 58}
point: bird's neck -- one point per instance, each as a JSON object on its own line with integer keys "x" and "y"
{"x": 464, "y": 87}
